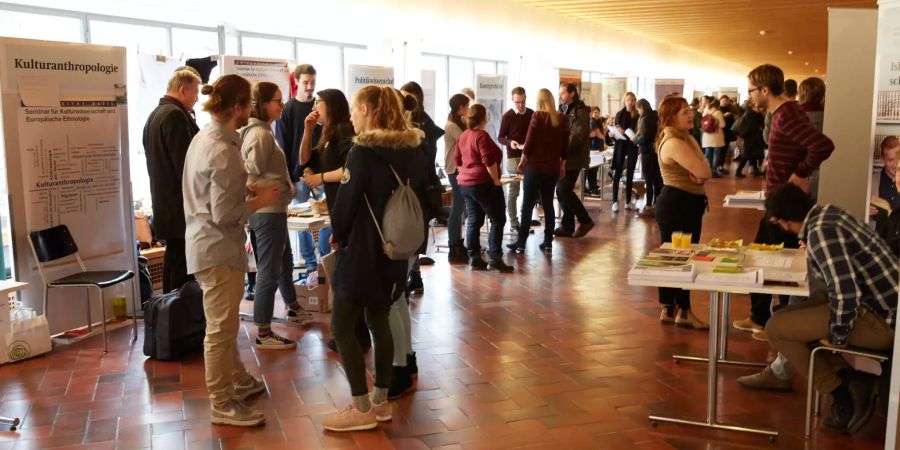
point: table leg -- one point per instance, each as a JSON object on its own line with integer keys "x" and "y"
{"x": 723, "y": 341}
{"x": 712, "y": 383}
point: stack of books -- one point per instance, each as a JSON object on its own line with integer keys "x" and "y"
{"x": 722, "y": 261}
{"x": 682, "y": 273}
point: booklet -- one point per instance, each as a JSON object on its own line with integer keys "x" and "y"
{"x": 684, "y": 274}
{"x": 750, "y": 278}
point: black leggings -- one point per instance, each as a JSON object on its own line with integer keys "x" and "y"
{"x": 652, "y": 177}
{"x": 344, "y": 319}
{"x": 624, "y": 158}
{"x": 678, "y": 210}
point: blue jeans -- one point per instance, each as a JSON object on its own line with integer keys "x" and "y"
{"x": 307, "y": 246}
{"x": 715, "y": 156}
{"x": 484, "y": 200}
{"x": 274, "y": 265}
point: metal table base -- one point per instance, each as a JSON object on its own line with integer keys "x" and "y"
{"x": 723, "y": 341}
{"x": 712, "y": 381}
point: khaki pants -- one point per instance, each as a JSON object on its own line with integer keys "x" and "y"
{"x": 223, "y": 288}
{"x": 512, "y": 192}
{"x": 791, "y": 329}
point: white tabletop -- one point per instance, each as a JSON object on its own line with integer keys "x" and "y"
{"x": 798, "y": 264}
{"x": 308, "y": 223}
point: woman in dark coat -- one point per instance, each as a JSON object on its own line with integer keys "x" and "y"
{"x": 366, "y": 281}
{"x": 750, "y": 129}
{"x": 648, "y": 127}
{"x": 625, "y": 152}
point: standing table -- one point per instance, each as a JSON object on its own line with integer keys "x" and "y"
{"x": 719, "y": 302}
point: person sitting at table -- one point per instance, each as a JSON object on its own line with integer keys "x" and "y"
{"x": 860, "y": 273}
{"x": 682, "y": 200}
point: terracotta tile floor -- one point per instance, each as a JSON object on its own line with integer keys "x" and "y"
{"x": 563, "y": 354}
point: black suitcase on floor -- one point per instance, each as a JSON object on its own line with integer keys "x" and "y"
{"x": 174, "y": 325}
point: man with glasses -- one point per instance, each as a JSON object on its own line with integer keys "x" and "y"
{"x": 289, "y": 132}
{"x": 796, "y": 149}
{"x": 858, "y": 307}
{"x": 513, "y": 128}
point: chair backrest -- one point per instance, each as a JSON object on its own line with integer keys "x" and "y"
{"x": 53, "y": 243}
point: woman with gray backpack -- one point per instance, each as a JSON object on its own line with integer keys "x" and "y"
{"x": 371, "y": 265}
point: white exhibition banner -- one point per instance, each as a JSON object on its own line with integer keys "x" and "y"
{"x": 260, "y": 69}
{"x": 154, "y": 75}
{"x": 490, "y": 91}
{"x": 359, "y": 76}
{"x": 614, "y": 90}
{"x": 65, "y": 135}
{"x": 428, "y": 87}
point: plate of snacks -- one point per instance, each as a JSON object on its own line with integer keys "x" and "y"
{"x": 720, "y": 244}
{"x": 765, "y": 247}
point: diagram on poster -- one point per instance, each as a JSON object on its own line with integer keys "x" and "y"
{"x": 70, "y": 170}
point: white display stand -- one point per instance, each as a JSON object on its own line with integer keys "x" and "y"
{"x": 65, "y": 135}
{"x": 490, "y": 91}
{"x": 844, "y": 176}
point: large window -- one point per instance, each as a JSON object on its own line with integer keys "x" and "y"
{"x": 326, "y": 59}
{"x": 40, "y": 26}
{"x": 439, "y": 65}
{"x": 188, "y": 43}
{"x": 267, "y": 48}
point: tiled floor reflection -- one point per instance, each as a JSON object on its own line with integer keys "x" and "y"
{"x": 562, "y": 354}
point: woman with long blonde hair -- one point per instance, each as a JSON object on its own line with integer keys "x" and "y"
{"x": 543, "y": 163}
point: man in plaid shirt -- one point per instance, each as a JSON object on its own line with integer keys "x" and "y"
{"x": 861, "y": 276}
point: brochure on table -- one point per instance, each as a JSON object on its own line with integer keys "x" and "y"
{"x": 65, "y": 134}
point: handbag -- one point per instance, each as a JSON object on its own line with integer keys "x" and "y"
{"x": 29, "y": 337}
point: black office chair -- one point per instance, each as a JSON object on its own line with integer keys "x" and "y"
{"x": 57, "y": 243}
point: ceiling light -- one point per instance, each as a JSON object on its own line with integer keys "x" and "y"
{"x": 817, "y": 70}
{"x": 790, "y": 52}
{"x": 762, "y": 32}
{"x": 806, "y": 63}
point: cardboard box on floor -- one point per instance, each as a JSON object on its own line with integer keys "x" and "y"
{"x": 320, "y": 298}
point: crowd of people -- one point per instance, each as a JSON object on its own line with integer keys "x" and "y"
{"x": 261, "y": 153}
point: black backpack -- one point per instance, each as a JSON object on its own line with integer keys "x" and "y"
{"x": 174, "y": 324}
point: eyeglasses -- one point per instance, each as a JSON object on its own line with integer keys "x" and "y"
{"x": 750, "y": 91}
{"x": 317, "y": 101}
{"x": 279, "y": 101}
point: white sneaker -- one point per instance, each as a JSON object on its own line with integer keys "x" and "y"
{"x": 630, "y": 206}
{"x": 615, "y": 207}
{"x": 351, "y": 419}
{"x": 236, "y": 413}
{"x": 383, "y": 412}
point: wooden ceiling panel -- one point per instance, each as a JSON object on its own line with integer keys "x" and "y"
{"x": 728, "y": 29}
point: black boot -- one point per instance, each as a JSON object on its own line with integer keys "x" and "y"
{"x": 411, "y": 366}
{"x": 401, "y": 383}
{"x": 414, "y": 284}
{"x": 457, "y": 253}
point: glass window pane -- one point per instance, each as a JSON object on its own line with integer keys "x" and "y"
{"x": 267, "y": 48}
{"x": 462, "y": 74}
{"x": 327, "y": 61}
{"x": 502, "y": 68}
{"x": 441, "y": 96}
{"x": 150, "y": 40}
{"x": 194, "y": 43}
{"x": 485, "y": 68}
{"x": 41, "y": 26}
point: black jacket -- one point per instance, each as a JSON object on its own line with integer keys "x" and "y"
{"x": 648, "y": 127}
{"x": 167, "y": 135}
{"x": 579, "y": 154}
{"x": 363, "y": 273}
{"x": 750, "y": 128}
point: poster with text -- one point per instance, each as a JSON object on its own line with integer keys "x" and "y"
{"x": 359, "y": 76}
{"x": 260, "y": 69}
{"x": 490, "y": 90}
{"x": 887, "y": 104}
{"x": 65, "y": 136}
